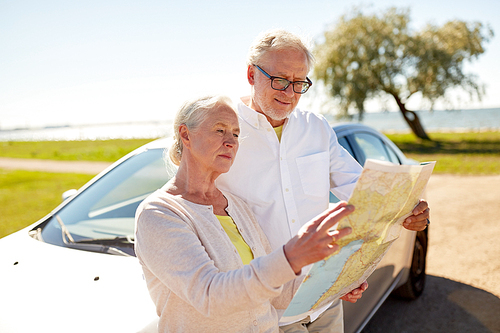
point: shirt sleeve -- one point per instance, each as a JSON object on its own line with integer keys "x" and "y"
{"x": 171, "y": 250}
{"x": 344, "y": 169}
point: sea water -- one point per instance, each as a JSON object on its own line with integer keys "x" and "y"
{"x": 455, "y": 121}
{"x": 434, "y": 121}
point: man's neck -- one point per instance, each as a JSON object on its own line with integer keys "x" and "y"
{"x": 247, "y": 100}
{"x": 275, "y": 123}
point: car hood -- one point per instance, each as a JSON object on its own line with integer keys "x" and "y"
{"x": 48, "y": 288}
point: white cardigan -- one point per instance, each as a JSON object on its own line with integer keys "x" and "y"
{"x": 194, "y": 274}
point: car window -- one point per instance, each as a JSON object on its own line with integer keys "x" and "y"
{"x": 106, "y": 209}
{"x": 392, "y": 155}
{"x": 343, "y": 142}
{"x": 372, "y": 147}
{"x": 135, "y": 187}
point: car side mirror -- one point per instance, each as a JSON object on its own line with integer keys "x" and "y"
{"x": 68, "y": 194}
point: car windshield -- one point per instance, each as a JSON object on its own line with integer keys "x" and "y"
{"x": 104, "y": 213}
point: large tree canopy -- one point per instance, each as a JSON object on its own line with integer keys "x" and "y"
{"x": 364, "y": 56}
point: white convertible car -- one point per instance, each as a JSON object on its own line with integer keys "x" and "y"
{"x": 75, "y": 269}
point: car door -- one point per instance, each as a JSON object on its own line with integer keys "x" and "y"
{"x": 366, "y": 145}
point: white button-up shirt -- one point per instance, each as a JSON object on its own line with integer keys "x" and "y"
{"x": 287, "y": 184}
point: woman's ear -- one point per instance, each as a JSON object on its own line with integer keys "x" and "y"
{"x": 184, "y": 135}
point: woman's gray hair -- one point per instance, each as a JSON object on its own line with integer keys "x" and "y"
{"x": 277, "y": 39}
{"x": 192, "y": 114}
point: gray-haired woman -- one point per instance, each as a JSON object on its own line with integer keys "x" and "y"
{"x": 208, "y": 265}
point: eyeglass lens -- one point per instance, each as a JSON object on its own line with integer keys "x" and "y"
{"x": 279, "y": 83}
{"x": 282, "y": 84}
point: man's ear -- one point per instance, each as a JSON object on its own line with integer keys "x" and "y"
{"x": 251, "y": 74}
{"x": 184, "y": 135}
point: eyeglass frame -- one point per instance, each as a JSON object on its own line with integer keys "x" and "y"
{"x": 309, "y": 82}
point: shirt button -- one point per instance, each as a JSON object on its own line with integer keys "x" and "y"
{"x": 254, "y": 248}
{"x": 255, "y": 322}
{"x": 286, "y": 190}
{"x": 293, "y": 221}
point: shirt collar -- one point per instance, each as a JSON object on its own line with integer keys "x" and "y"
{"x": 250, "y": 115}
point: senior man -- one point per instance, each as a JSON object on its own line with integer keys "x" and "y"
{"x": 289, "y": 159}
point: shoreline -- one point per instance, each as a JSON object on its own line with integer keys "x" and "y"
{"x": 80, "y": 137}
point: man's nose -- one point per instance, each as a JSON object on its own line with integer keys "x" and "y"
{"x": 289, "y": 90}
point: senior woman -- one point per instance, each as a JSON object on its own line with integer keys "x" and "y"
{"x": 207, "y": 263}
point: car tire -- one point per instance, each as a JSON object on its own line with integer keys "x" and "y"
{"x": 415, "y": 284}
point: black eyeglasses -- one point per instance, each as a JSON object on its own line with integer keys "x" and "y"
{"x": 279, "y": 83}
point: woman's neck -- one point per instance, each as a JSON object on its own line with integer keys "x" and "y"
{"x": 199, "y": 188}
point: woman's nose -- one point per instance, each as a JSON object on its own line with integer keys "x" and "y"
{"x": 231, "y": 141}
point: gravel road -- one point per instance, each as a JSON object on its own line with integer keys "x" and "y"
{"x": 463, "y": 264}
{"x": 92, "y": 168}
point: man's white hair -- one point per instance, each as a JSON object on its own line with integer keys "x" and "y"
{"x": 277, "y": 39}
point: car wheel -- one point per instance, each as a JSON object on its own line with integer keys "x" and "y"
{"x": 415, "y": 285}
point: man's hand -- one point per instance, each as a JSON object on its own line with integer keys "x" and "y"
{"x": 420, "y": 218}
{"x": 356, "y": 294}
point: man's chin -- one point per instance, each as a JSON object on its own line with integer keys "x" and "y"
{"x": 280, "y": 113}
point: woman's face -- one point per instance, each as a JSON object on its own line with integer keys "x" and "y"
{"x": 214, "y": 143}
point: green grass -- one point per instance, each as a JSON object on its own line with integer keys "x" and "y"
{"x": 27, "y": 196}
{"x": 99, "y": 150}
{"x": 456, "y": 153}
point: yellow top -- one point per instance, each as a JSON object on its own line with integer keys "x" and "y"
{"x": 236, "y": 238}
{"x": 279, "y": 131}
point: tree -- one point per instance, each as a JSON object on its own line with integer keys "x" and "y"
{"x": 366, "y": 56}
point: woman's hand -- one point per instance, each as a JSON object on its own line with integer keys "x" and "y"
{"x": 314, "y": 240}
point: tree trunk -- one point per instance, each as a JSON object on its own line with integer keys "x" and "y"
{"x": 412, "y": 119}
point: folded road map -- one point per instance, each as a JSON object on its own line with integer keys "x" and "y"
{"x": 384, "y": 197}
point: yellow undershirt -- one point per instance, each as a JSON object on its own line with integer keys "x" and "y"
{"x": 279, "y": 131}
{"x": 236, "y": 238}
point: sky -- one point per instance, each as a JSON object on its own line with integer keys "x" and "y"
{"x": 85, "y": 62}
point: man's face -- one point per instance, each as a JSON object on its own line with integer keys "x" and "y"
{"x": 276, "y": 105}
